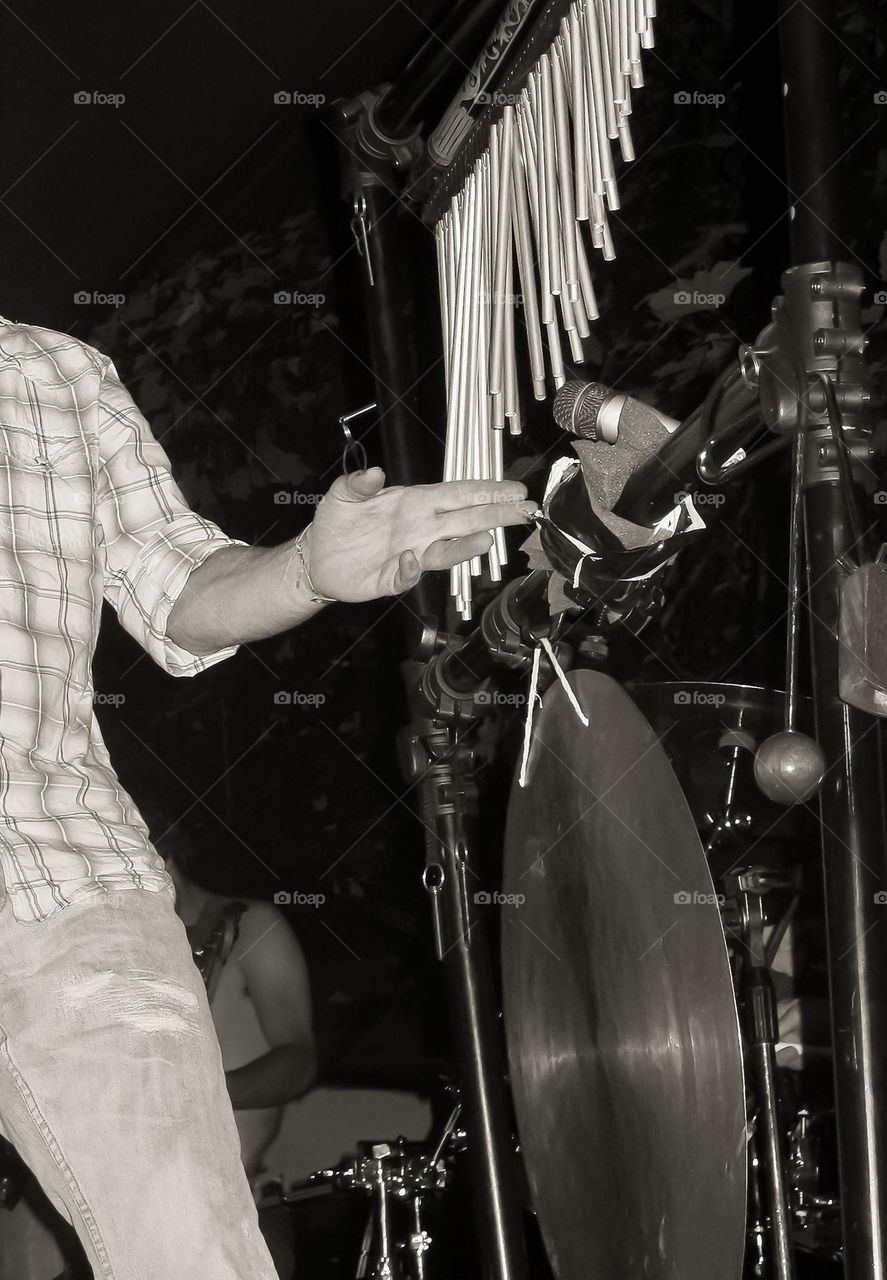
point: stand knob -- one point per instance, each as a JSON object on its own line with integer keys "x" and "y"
{"x": 789, "y": 767}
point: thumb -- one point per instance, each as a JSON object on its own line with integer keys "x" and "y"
{"x": 409, "y": 571}
{"x": 365, "y": 484}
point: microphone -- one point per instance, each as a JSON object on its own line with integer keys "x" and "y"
{"x": 653, "y": 488}
{"x": 604, "y": 557}
{"x": 594, "y": 411}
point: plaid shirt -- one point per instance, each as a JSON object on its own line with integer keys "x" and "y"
{"x": 88, "y": 509}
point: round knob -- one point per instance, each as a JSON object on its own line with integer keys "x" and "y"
{"x": 789, "y": 767}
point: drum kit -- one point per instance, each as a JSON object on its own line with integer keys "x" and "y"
{"x": 652, "y": 892}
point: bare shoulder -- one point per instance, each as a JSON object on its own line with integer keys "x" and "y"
{"x": 265, "y": 930}
{"x": 262, "y": 915}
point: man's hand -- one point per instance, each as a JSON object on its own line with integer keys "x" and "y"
{"x": 367, "y": 541}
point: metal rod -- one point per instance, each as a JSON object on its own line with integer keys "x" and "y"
{"x": 851, "y": 795}
{"x": 809, "y": 44}
{"x": 795, "y": 570}
{"x": 476, "y": 1030}
{"x": 764, "y": 1065}
{"x": 394, "y": 355}
{"x": 762, "y": 1032}
{"x": 854, "y": 874}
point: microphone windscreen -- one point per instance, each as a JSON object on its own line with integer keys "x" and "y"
{"x": 589, "y": 410}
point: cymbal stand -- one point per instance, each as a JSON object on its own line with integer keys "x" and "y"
{"x": 451, "y": 692}
{"x": 758, "y": 997}
{"x": 391, "y": 1174}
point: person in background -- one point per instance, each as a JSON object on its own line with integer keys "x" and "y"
{"x": 260, "y": 1000}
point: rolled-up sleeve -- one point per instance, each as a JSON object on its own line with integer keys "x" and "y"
{"x": 152, "y": 540}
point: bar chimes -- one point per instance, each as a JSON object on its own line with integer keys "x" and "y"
{"x": 545, "y": 169}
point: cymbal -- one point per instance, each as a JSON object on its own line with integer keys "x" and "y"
{"x": 623, "y": 1035}
{"x": 697, "y": 704}
{"x": 692, "y": 718}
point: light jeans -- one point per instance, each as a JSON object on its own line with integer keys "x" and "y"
{"x": 112, "y": 1090}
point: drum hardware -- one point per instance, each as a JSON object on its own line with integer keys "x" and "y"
{"x": 804, "y": 1167}
{"x": 756, "y": 1228}
{"x": 729, "y": 823}
{"x": 710, "y": 732}
{"x": 391, "y": 1174}
{"x": 789, "y": 765}
{"x": 761, "y": 1024}
{"x": 816, "y": 1217}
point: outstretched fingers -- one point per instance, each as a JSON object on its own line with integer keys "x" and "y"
{"x": 468, "y": 520}
{"x": 452, "y": 495}
{"x": 444, "y": 553}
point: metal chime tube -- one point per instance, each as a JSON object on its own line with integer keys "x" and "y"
{"x": 546, "y": 170}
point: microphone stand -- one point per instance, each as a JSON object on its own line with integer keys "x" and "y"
{"x": 819, "y": 330}
{"x": 451, "y": 693}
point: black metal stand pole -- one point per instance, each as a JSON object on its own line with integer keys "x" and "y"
{"x": 386, "y": 237}
{"x": 464, "y": 950}
{"x": 446, "y": 700}
{"x": 822, "y": 307}
{"x": 854, "y": 871}
{"x": 762, "y": 1033}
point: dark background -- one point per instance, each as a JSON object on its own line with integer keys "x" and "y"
{"x": 197, "y": 199}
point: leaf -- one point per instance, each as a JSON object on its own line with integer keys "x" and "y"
{"x": 193, "y": 308}
{"x": 707, "y": 290}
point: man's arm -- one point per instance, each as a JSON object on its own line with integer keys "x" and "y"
{"x": 276, "y": 976}
{"x": 365, "y": 541}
